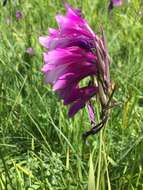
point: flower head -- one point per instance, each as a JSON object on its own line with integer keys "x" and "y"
{"x": 115, "y": 3}
{"x": 18, "y": 14}
{"x": 30, "y": 51}
{"x": 74, "y": 53}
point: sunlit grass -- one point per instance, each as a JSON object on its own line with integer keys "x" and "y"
{"x": 40, "y": 148}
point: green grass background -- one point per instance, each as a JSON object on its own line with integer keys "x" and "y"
{"x": 40, "y": 148}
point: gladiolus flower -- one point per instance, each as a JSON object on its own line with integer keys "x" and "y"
{"x": 74, "y": 53}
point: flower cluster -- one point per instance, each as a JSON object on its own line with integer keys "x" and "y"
{"x": 75, "y": 52}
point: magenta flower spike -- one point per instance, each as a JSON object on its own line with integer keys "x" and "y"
{"x": 75, "y": 52}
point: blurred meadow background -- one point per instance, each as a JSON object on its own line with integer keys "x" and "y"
{"x": 40, "y": 147}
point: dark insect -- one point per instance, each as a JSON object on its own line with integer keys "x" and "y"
{"x": 110, "y": 7}
{"x": 4, "y": 2}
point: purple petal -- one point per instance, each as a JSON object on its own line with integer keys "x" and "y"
{"x": 72, "y": 21}
{"x": 67, "y": 58}
{"x": 91, "y": 113}
{"x": 44, "y": 41}
{"x": 114, "y": 3}
{"x": 30, "y": 51}
{"x": 117, "y": 2}
{"x": 75, "y": 107}
{"x": 80, "y": 93}
{"x": 19, "y": 14}
{"x": 74, "y": 77}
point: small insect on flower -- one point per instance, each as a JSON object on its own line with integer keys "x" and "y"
{"x": 75, "y": 53}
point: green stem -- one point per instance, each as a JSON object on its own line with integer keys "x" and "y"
{"x": 99, "y": 163}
